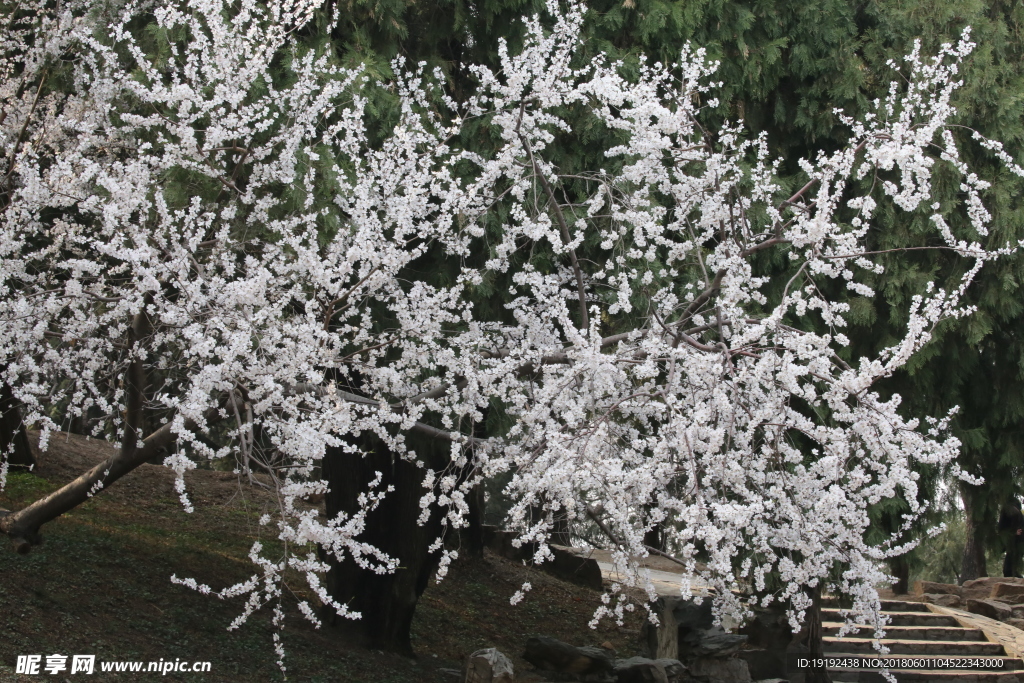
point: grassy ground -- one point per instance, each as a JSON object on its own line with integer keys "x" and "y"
{"x": 100, "y": 585}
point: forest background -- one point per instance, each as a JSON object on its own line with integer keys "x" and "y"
{"x": 786, "y": 68}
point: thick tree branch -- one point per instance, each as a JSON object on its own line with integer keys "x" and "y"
{"x": 23, "y": 526}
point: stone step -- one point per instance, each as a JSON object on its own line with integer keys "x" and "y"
{"x": 913, "y": 632}
{"x": 887, "y": 605}
{"x": 899, "y": 618}
{"x": 927, "y": 676}
{"x": 974, "y": 648}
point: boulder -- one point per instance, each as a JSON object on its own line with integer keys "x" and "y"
{"x": 982, "y": 588}
{"x": 674, "y": 670}
{"x": 943, "y": 599}
{"x": 993, "y": 609}
{"x": 764, "y": 663}
{"x": 502, "y": 543}
{"x": 551, "y": 654}
{"x": 680, "y": 625}
{"x": 644, "y": 670}
{"x": 689, "y": 614}
{"x": 718, "y": 670}
{"x": 1008, "y": 592}
{"x": 712, "y": 644}
{"x": 932, "y": 588}
{"x": 768, "y": 639}
{"x": 489, "y": 666}
{"x": 573, "y": 567}
{"x": 569, "y": 564}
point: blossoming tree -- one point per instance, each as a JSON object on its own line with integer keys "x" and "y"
{"x": 199, "y": 226}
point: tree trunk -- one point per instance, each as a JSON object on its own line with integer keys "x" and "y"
{"x": 973, "y": 563}
{"x": 654, "y": 537}
{"x": 387, "y": 602}
{"x": 12, "y": 431}
{"x": 900, "y": 569}
{"x": 814, "y": 644}
{"x": 474, "y": 533}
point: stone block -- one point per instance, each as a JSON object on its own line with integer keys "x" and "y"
{"x": 489, "y": 666}
{"x": 982, "y": 588}
{"x": 644, "y": 670}
{"x": 1008, "y": 592}
{"x": 551, "y": 654}
{"x": 993, "y": 609}
{"x": 932, "y": 588}
{"x": 716, "y": 670}
{"x": 943, "y": 599}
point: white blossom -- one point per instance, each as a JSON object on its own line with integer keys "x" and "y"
{"x": 723, "y": 412}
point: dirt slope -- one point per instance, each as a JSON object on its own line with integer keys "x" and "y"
{"x": 100, "y": 585}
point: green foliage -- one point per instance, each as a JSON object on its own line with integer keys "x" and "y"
{"x": 938, "y": 557}
{"x": 785, "y": 68}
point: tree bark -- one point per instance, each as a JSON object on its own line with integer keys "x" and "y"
{"x": 23, "y": 526}
{"x": 474, "y": 532}
{"x": 814, "y": 644}
{"x": 12, "y": 431}
{"x": 386, "y": 602}
{"x": 900, "y": 569}
{"x": 972, "y": 565}
{"x": 654, "y": 538}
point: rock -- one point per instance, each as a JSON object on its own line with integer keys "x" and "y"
{"x": 764, "y": 663}
{"x": 772, "y": 680}
{"x": 501, "y": 543}
{"x": 690, "y": 615}
{"x": 489, "y": 666}
{"x": 570, "y": 566}
{"x": 717, "y": 670}
{"x": 1015, "y": 622}
{"x": 568, "y": 563}
{"x": 674, "y": 670}
{"x": 1018, "y": 612}
{"x": 943, "y": 599}
{"x": 768, "y": 639}
{"x": 718, "y": 644}
{"x": 551, "y": 654}
{"x": 992, "y": 609}
{"x": 1008, "y": 592}
{"x": 980, "y": 589}
{"x": 680, "y": 625}
{"x": 930, "y": 587}
{"x": 644, "y": 670}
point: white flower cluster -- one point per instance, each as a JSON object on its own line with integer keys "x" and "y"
{"x": 669, "y": 378}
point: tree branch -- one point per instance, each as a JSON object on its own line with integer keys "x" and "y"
{"x": 584, "y": 316}
{"x": 23, "y": 526}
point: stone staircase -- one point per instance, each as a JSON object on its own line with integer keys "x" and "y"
{"x": 915, "y": 631}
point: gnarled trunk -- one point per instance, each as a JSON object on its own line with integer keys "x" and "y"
{"x": 473, "y": 534}
{"x": 387, "y": 602}
{"x": 900, "y": 568}
{"x": 972, "y": 565}
{"x": 814, "y": 643}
